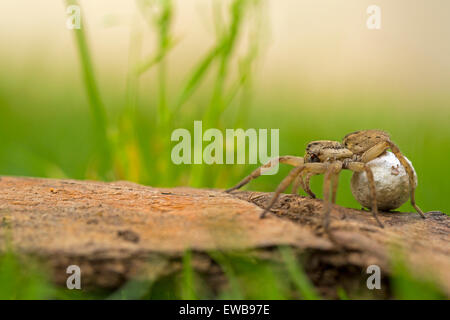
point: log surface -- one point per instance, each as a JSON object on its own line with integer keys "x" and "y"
{"x": 116, "y": 231}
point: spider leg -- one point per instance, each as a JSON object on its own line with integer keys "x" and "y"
{"x": 361, "y": 166}
{"x": 314, "y": 167}
{"x": 332, "y": 171}
{"x": 303, "y": 183}
{"x": 282, "y": 186}
{"x": 307, "y": 186}
{"x": 298, "y": 181}
{"x": 291, "y": 160}
{"x": 410, "y": 173}
{"x": 374, "y": 152}
{"x": 334, "y": 185}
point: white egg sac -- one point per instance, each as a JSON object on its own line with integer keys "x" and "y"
{"x": 391, "y": 183}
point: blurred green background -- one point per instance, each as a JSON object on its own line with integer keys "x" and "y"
{"x": 101, "y": 102}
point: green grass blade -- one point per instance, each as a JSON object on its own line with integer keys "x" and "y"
{"x": 235, "y": 291}
{"x": 195, "y": 79}
{"x": 297, "y": 275}
{"x": 95, "y": 102}
{"x": 187, "y": 284}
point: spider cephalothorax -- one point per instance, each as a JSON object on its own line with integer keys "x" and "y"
{"x": 325, "y": 150}
{"x": 329, "y": 158}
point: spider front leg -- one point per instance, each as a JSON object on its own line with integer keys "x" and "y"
{"x": 316, "y": 168}
{"x": 359, "y": 167}
{"x": 291, "y": 160}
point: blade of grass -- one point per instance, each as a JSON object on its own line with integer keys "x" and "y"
{"x": 164, "y": 24}
{"x": 342, "y": 294}
{"x": 237, "y": 10}
{"x": 251, "y": 277}
{"x": 247, "y": 64}
{"x": 187, "y": 284}
{"x": 195, "y": 78}
{"x": 159, "y": 15}
{"x": 406, "y": 285}
{"x": 132, "y": 290}
{"x": 95, "y": 102}
{"x": 235, "y": 291}
{"x": 153, "y": 60}
{"x": 297, "y": 275}
{"x": 129, "y": 158}
{"x": 22, "y": 279}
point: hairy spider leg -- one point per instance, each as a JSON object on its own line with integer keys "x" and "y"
{"x": 316, "y": 168}
{"x": 381, "y": 147}
{"x": 331, "y": 172}
{"x": 291, "y": 160}
{"x": 303, "y": 183}
{"x": 410, "y": 173}
{"x": 359, "y": 167}
{"x": 307, "y": 185}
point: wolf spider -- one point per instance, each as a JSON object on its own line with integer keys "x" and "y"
{"x": 330, "y": 157}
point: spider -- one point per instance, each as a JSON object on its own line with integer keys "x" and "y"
{"x": 329, "y": 158}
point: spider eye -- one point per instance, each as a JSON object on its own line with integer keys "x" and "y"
{"x": 315, "y": 158}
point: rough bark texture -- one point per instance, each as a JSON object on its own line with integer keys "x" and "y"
{"x": 115, "y": 231}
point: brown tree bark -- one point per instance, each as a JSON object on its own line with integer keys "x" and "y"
{"x": 115, "y": 231}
